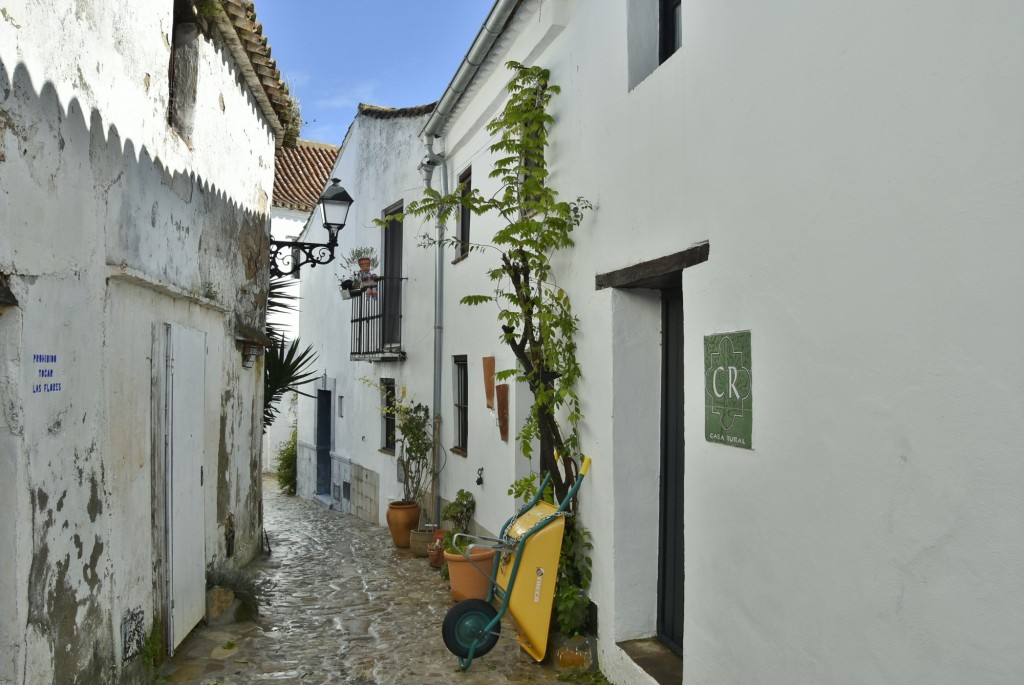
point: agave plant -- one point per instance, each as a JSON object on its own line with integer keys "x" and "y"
{"x": 279, "y": 301}
{"x": 285, "y": 366}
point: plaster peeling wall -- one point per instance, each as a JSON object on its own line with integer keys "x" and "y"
{"x": 16, "y": 507}
{"x": 110, "y": 225}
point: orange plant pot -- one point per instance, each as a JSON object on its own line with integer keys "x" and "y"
{"x": 470, "y": 578}
{"x": 402, "y": 518}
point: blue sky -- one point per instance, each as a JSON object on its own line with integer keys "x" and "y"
{"x": 335, "y": 54}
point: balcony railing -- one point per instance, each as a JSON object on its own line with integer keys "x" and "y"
{"x": 377, "y": 322}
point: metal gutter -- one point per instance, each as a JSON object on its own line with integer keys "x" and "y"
{"x": 492, "y": 28}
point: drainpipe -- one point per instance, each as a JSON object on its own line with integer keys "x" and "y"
{"x": 492, "y": 28}
{"x": 431, "y": 161}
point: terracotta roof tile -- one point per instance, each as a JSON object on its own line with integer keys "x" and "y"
{"x": 244, "y": 37}
{"x": 300, "y": 174}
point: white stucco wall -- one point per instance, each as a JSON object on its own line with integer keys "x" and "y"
{"x": 325, "y": 322}
{"x": 112, "y": 225}
{"x": 852, "y": 170}
{"x": 856, "y": 171}
{"x": 378, "y": 168}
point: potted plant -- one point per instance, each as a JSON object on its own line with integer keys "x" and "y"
{"x": 420, "y": 539}
{"x": 360, "y": 262}
{"x": 413, "y": 443}
{"x": 469, "y": 571}
{"x": 435, "y": 553}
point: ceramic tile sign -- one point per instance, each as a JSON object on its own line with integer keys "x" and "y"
{"x": 728, "y": 389}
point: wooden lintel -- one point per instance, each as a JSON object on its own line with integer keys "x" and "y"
{"x": 657, "y": 273}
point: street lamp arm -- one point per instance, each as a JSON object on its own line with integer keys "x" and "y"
{"x": 287, "y": 257}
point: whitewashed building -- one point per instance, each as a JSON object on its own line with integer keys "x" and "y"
{"x": 342, "y": 460}
{"x": 802, "y": 256}
{"x": 300, "y": 173}
{"x": 136, "y": 164}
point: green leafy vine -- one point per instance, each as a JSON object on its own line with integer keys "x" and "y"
{"x": 535, "y": 314}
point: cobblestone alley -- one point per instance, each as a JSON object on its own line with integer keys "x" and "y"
{"x": 347, "y": 608}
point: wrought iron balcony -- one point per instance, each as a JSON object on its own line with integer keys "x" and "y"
{"x": 377, "y": 322}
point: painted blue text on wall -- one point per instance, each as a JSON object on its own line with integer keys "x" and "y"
{"x": 44, "y": 371}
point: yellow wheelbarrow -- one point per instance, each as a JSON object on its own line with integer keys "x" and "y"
{"x": 530, "y": 542}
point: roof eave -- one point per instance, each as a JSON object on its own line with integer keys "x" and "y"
{"x": 228, "y": 22}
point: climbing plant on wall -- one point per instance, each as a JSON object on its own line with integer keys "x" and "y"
{"x": 535, "y": 314}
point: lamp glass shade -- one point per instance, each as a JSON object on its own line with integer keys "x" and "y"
{"x": 334, "y": 205}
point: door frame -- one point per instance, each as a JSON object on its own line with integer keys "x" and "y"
{"x": 672, "y": 542}
{"x": 651, "y": 278}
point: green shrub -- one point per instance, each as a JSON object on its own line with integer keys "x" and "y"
{"x": 460, "y": 513}
{"x": 287, "y": 463}
{"x": 248, "y": 590}
{"x": 571, "y": 610}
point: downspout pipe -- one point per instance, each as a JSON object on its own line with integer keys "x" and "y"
{"x": 431, "y": 161}
{"x": 492, "y": 28}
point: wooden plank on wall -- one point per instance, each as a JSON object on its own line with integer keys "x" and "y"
{"x": 489, "y": 381}
{"x": 502, "y": 391}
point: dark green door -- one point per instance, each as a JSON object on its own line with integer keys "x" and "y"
{"x": 670, "y": 556}
{"x": 323, "y": 442}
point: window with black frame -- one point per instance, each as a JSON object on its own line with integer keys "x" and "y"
{"x": 391, "y": 287}
{"x": 461, "y": 395}
{"x": 387, "y": 401}
{"x": 466, "y": 181}
{"x": 670, "y": 22}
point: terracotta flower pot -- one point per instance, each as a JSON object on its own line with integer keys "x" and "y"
{"x": 435, "y": 557}
{"x": 470, "y": 578}
{"x": 419, "y": 540}
{"x": 402, "y": 518}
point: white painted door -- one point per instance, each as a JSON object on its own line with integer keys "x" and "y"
{"x": 186, "y": 517}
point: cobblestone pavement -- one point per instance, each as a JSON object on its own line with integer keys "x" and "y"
{"x": 347, "y": 608}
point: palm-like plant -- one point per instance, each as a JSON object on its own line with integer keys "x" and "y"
{"x": 285, "y": 366}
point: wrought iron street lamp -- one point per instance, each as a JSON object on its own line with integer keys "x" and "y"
{"x": 287, "y": 256}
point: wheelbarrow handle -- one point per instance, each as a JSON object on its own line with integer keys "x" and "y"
{"x": 584, "y": 467}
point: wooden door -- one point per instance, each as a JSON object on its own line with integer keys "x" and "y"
{"x": 186, "y": 512}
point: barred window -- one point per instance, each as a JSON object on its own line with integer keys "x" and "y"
{"x": 387, "y": 401}
{"x": 461, "y": 394}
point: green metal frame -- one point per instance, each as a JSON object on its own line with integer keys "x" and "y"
{"x": 507, "y": 545}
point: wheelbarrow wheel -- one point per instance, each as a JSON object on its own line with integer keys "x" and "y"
{"x": 464, "y": 627}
